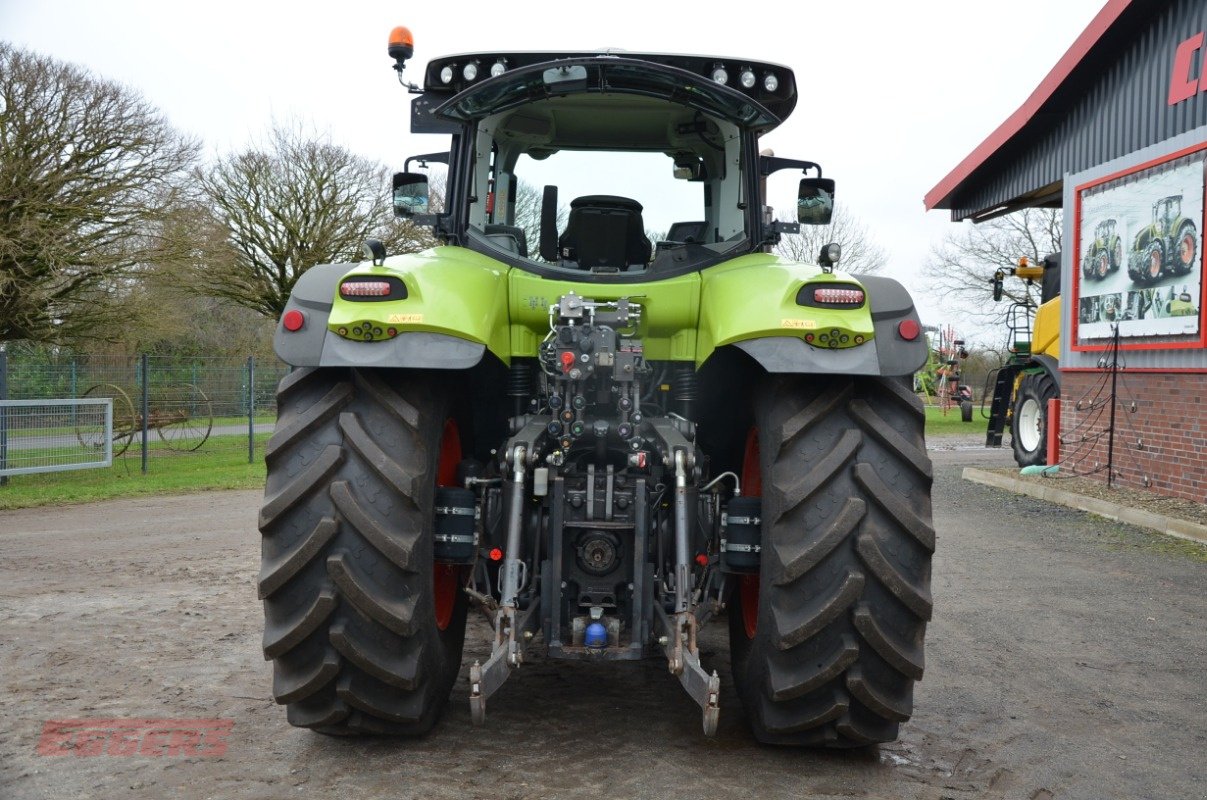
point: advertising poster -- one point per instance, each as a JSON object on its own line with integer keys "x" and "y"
{"x": 1140, "y": 253}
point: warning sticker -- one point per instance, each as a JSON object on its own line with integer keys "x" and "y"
{"x": 405, "y": 319}
{"x": 807, "y": 324}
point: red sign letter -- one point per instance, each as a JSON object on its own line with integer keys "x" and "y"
{"x": 1181, "y": 85}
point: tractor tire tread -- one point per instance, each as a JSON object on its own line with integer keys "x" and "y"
{"x": 844, "y": 592}
{"x": 346, "y": 570}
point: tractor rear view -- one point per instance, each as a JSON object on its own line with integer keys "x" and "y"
{"x": 602, "y": 441}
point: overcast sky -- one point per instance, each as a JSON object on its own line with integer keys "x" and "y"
{"x": 892, "y": 94}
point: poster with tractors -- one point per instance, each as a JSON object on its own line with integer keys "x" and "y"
{"x": 1141, "y": 253}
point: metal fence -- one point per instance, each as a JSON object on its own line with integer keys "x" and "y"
{"x": 161, "y": 407}
{"x": 55, "y": 435}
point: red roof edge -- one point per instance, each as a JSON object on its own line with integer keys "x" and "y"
{"x": 1015, "y": 123}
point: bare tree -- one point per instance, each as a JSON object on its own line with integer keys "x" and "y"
{"x": 961, "y": 268}
{"x": 860, "y": 254}
{"x": 298, "y": 202}
{"x": 89, "y": 171}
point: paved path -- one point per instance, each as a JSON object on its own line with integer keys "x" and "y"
{"x": 1066, "y": 659}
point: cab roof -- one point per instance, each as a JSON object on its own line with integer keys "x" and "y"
{"x": 686, "y": 78}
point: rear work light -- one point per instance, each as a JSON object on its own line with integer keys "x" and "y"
{"x": 838, "y": 296}
{"x": 365, "y": 289}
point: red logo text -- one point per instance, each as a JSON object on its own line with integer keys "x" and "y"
{"x": 135, "y": 737}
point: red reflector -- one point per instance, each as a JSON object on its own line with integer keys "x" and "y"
{"x": 365, "y": 289}
{"x": 838, "y": 295}
{"x": 293, "y": 320}
{"x": 496, "y": 554}
{"x": 702, "y": 559}
{"x": 908, "y": 330}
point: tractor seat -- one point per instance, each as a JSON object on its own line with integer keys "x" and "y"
{"x": 605, "y": 231}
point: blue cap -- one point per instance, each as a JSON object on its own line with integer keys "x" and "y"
{"x": 596, "y": 635}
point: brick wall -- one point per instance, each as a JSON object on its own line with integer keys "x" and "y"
{"x": 1163, "y": 439}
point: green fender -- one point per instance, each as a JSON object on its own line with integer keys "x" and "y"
{"x": 455, "y": 310}
{"x": 752, "y": 303}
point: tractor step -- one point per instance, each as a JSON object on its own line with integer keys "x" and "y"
{"x": 1003, "y": 391}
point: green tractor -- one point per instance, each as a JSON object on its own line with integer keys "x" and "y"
{"x": 601, "y": 442}
{"x": 1166, "y": 246}
{"x": 1104, "y": 254}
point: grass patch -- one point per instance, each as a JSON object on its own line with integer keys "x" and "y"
{"x": 222, "y": 467}
{"x": 938, "y": 423}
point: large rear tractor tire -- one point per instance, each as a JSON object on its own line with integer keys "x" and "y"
{"x": 363, "y": 630}
{"x": 1029, "y": 419}
{"x": 1187, "y": 248}
{"x": 830, "y": 655}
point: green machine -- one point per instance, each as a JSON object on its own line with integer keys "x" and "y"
{"x": 601, "y": 441}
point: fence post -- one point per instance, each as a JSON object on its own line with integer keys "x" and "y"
{"x": 3, "y": 415}
{"x": 146, "y": 411}
{"x": 74, "y": 393}
{"x": 251, "y": 409}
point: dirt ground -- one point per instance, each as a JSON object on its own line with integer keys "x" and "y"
{"x": 1067, "y": 659}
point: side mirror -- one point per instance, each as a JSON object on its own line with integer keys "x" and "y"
{"x": 410, "y": 194}
{"x": 815, "y": 201}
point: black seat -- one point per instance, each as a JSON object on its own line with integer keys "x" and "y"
{"x": 514, "y": 231}
{"x": 605, "y": 231}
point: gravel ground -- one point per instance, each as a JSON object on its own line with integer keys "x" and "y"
{"x": 1067, "y": 658}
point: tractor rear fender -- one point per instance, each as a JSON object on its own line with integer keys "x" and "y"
{"x": 777, "y": 340}
{"x": 454, "y": 310}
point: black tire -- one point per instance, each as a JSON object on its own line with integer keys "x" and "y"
{"x": 966, "y": 411}
{"x": 1116, "y": 255}
{"x": 347, "y": 571}
{"x": 844, "y": 584}
{"x": 1154, "y": 263}
{"x": 1029, "y": 419}
{"x": 1186, "y": 248}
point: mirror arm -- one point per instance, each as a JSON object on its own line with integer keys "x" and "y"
{"x": 437, "y": 158}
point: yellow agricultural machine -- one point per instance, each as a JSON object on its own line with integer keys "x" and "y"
{"x": 1030, "y": 377}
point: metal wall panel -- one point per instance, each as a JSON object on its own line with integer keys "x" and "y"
{"x": 1115, "y": 103}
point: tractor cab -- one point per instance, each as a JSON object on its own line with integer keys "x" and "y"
{"x": 608, "y": 166}
{"x": 1105, "y": 230}
{"x": 1166, "y": 211}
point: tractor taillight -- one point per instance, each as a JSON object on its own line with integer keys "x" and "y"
{"x": 908, "y": 330}
{"x": 293, "y": 320}
{"x": 838, "y": 296}
{"x": 365, "y": 289}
